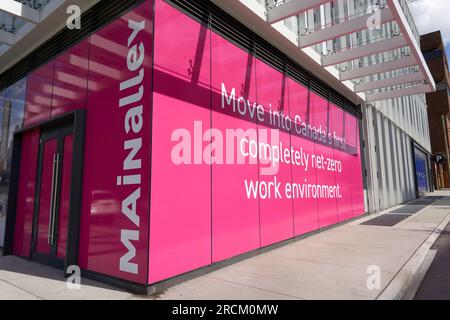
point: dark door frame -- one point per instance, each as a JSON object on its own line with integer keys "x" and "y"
{"x": 415, "y": 146}
{"x": 78, "y": 118}
{"x": 51, "y": 132}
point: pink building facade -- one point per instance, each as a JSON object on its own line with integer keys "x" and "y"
{"x": 158, "y": 145}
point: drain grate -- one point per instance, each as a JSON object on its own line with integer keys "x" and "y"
{"x": 393, "y": 217}
{"x": 385, "y": 220}
{"x": 434, "y": 197}
{"x": 408, "y": 209}
{"x": 421, "y": 202}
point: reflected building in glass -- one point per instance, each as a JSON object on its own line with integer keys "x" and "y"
{"x": 12, "y": 106}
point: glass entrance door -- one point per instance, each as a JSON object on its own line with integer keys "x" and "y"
{"x": 51, "y": 214}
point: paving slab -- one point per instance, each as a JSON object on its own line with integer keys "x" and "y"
{"x": 436, "y": 282}
{"x": 11, "y": 292}
{"x": 211, "y": 288}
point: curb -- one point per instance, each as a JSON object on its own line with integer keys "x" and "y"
{"x": 411, "y": 290}
{"x": 406, "y": 282}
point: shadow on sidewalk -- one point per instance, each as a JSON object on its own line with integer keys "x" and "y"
{"x": 13, "y": 268}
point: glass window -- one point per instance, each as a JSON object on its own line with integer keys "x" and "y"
{"x": 12, "y": 103}
{"x": 2, "y": 212}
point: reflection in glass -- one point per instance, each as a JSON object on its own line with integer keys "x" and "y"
{"x": 2, "y": 211}
{"x": 12, "y": 104}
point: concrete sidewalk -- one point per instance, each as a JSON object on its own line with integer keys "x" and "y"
{"x": 332, "y": 264}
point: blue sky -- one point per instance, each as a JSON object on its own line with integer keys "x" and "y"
{"x": 432, "y": 15}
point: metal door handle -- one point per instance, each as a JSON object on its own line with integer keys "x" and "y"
{"x": 55, "y": 199}
{"x": 54, "y": 190}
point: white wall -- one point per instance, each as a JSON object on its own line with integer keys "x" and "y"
{"x": 389, "y": 160}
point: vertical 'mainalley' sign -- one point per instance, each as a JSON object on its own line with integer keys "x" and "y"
{"x": 131, "y": 176}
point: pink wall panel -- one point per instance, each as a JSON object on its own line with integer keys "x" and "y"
{"x": 235, "y": 217}
{"x": 39, "y": 95}
{"x": 305, "y": 208}
{"x": 25, "y": 196}
{"x": 357, "y": 188}
{"x": 276, "y": 215}
{"x": 344, "y": 165}
{"x": 70, "y": 79}
{"x": 115, "y": 208}
{"x": 64, "y": 202}
{"x": 180, "y": 219}
{"x": 327, "y": 207}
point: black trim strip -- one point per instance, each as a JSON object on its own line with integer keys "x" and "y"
{"x": 12, "y": 196}
{"x": 135, "y": 288}
{"x": 76, "y": 188}
{"x": 413, "y": 154}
